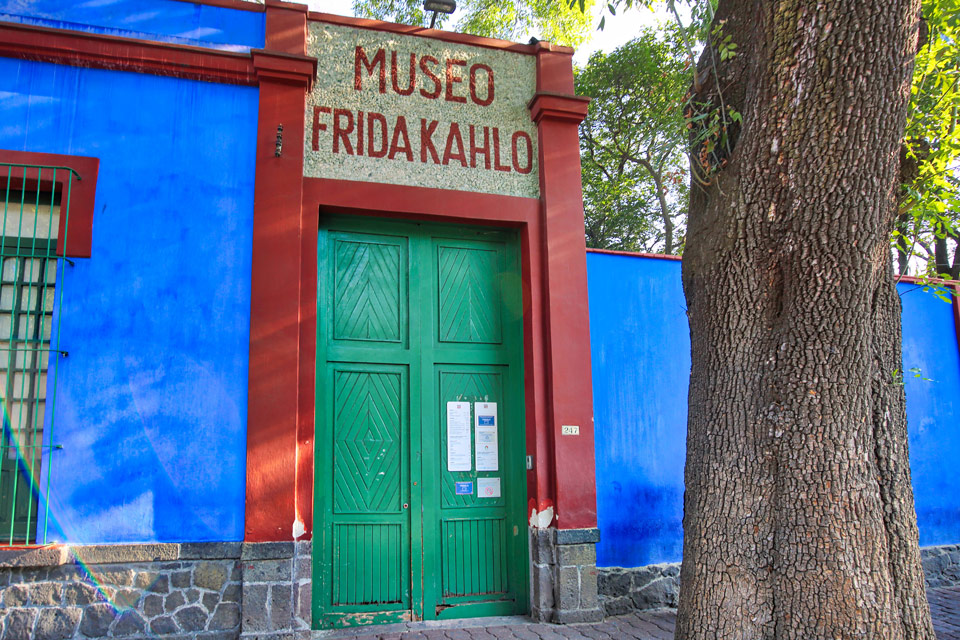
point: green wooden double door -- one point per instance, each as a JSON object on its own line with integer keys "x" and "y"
{"x": 420, "y": 474}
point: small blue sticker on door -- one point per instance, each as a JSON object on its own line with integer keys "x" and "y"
{"x": 464, "y": 488}
{"x": 485, "y": 421}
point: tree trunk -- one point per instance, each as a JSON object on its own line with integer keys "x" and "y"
{"x": 942, "y": 260}
{"x": 799, "y": 520}
{"x": 657, "y": 176}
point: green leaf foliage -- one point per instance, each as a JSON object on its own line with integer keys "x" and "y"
{"x": 927, "y": 228}
{"x": 632, "y": 144}
{"x": 556, "y": 21}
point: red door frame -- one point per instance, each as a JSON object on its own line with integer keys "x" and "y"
{"x": 280, "y": 427}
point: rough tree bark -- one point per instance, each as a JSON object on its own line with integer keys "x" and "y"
{"x": 799, "y": 520}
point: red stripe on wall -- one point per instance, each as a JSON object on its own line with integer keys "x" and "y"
{"x": 98, "y": 51}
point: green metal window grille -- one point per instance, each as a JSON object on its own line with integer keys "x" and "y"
{"x": 31, "y": 277}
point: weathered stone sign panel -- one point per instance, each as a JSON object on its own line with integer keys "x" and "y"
{"x": 422, "y": 112}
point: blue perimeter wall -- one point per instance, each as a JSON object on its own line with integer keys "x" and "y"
{"x": 641, "y": 363}
{"x": 161, "y": 20}
{"x": 151, "y": 401}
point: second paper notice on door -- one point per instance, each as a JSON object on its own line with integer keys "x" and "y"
{"x": 485, "y": 417}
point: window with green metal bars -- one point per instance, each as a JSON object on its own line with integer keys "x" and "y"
{"x": 34, "y": 200}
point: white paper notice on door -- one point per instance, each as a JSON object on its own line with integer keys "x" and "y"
{"x": 458, "y": 436}
{"x": 488, "y": 487}
{"x": 485, "y": 426}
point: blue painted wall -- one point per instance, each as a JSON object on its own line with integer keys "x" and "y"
{"x": 162, "y": 20}
{"x": 933, "y": 412}
{"x": 641, "y": 362}
{"x": 151, "y": 402}
{"x": 640, "y": 348}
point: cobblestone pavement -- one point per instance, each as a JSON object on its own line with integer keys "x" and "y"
{"x": 945, "y": 609}
{"x": 648, "y": 625}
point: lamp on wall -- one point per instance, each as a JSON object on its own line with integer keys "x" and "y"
{"x": 439, "y": 6}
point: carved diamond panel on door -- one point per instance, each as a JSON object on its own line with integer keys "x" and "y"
{"x": 367, "y": 446}
{"x": 469, "y": 293}
{"x": 369, "y": 288}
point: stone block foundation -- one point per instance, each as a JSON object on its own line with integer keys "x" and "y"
{"x": 208, "y": 591}
{"x": 658, "y": 585}
{"x": 231, "y": 590}
{"x": 563, "y": 575}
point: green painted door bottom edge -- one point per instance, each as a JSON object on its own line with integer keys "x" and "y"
{"x": 411, "y": 316}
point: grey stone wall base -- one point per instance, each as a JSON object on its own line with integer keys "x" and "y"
{"x": 166, "y": 590}
{"x": 563, "y": 576}
{"x": 941, "y": 565}
{"x": 276, "y": 591}
{"x": 658, "y": 585}
{"x": 203, "y": 591}
{"x": 651, "y": 587}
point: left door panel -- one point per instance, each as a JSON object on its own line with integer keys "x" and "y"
{"x": 364, "y": 392}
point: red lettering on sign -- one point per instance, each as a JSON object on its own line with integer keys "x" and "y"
{"x": 475, "y": 150}
{"x": 516, "y": 163}
{"x": 341, "y": 133}
{"x": 430, "y": 74}
{"x": 360, "y": 59}
{"x": 453, "y": 79}
{"x": 372, "y": 151}
{"x": 426, "y": 140}
{"x": 411, "y": 83}
{"x": 496, "y": 152}
{"x": 318, "y": 126}
{"x": 454, "y": 137}
{"x": 400, "y": 130}
{"x": 473, "y": 85}
{"x": 359, "y": 133}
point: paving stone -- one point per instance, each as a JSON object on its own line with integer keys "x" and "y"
{"x": 46, "y": 593}
{"x": 119, "y": 577}
{"x": 126, "y": 599}
{"x": 210, "y": 550}
{"x": 174, "y": 601}
{"x": 232, "y": 593}
{"x": 126, "y": 553}
{"x": 180, "y": 579}
{"x": 66, "y": 572}
{"x": 80, "y": 593}
{"x": 210, "y": 575}
{"x": 227, "y": 616}
{"x": 164, "y": 625}
{"x": 192, "y": 618}
{"x": 19, "y": 623}
{"x": 131, "y": 623}
{"x": 576, "y": 554}
{"x": 568, "y": 591}
{"x": 96, "y": 620}
{"x": 15, "y": 596}
{"x": 153, "y": 605}
{"x": 268, "y": 571}
{"x": 281, "y": 606}
{"x": 56, "y": 624}
{"x": 266, "y": 550}
{"x": 210, "y": 601}
{"x": 254, "y": 612}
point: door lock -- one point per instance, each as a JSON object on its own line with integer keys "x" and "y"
{"x": 405, "y": 505}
